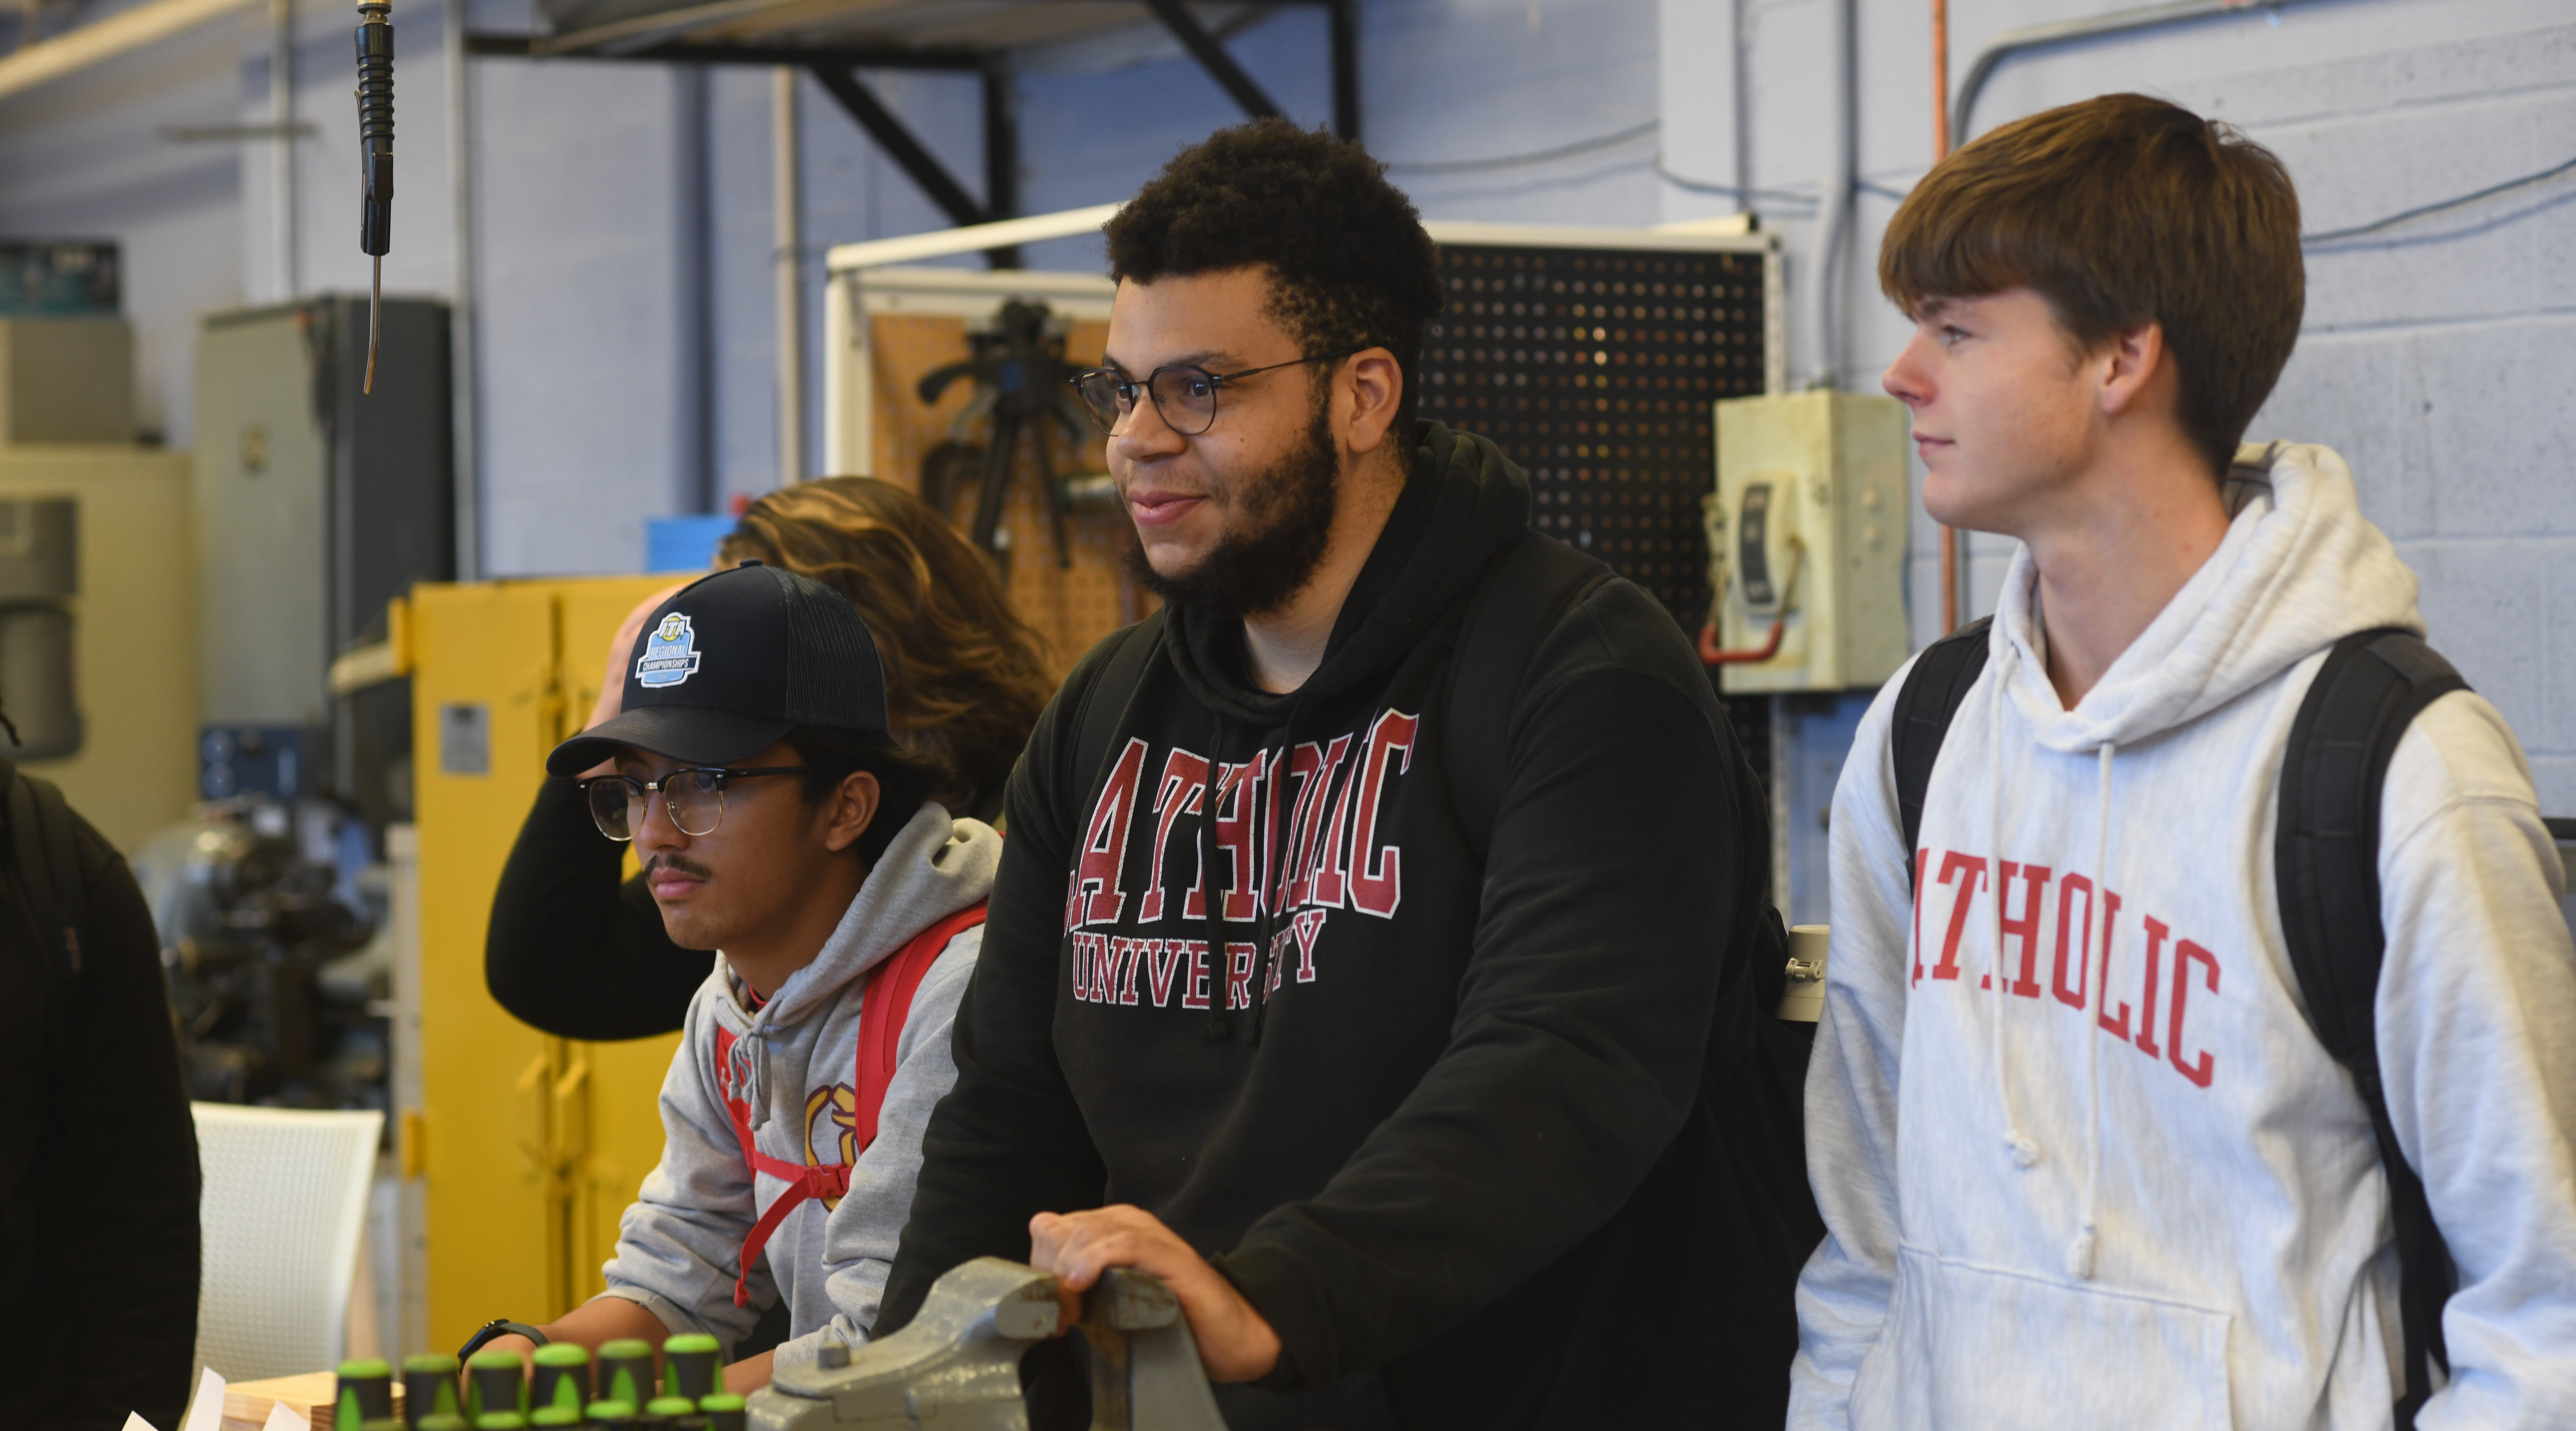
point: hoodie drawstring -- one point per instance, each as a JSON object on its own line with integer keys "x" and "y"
{"x": 2079, "y": 1253}
{"x": 2025, "y": 1151}
{"x": 1265, "y": 963}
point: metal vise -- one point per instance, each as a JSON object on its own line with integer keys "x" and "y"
{"x": 957, "y": 1366}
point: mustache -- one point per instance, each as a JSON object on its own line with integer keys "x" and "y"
{"x": 678, "y": 864}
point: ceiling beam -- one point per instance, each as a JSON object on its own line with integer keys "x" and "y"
{"x": 1212, "y": 57}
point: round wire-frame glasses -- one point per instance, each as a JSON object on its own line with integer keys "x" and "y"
{"x": 1184, "y": 394}
{"x": 694, "y": 797}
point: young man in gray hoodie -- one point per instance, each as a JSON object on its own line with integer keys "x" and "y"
{"x": 2083, "y": 1159}
{"x": 779, "y": 825}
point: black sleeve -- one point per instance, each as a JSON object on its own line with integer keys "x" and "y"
{"x": 1583, "y": 1019}
{"x": 570, "y": 950}
{"x": 1008, "y": 1142}
{"x": 123, "y": 1176}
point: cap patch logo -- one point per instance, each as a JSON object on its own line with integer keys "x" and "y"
{"x": 670, "y": 654}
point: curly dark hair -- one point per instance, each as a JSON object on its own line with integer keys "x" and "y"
{"x": 1349, "y": 263}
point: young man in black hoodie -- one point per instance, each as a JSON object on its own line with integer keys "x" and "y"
{"x": 1425, "y": 1080}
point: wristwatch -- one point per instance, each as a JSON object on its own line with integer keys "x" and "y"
{"x": 498, "y": 1327}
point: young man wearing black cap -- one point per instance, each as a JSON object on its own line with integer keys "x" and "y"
{"x": 779, "y": 825}
{"x": 1406, "y": 1028}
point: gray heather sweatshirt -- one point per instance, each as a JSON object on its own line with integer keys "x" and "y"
{"x": 795, "y": 1058}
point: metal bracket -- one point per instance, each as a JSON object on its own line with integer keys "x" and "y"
{"x": 900, "y": 145}
{"x": 1212, "y": 57}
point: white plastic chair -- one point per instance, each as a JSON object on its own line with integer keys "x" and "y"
{"x": 285, "y": 1200}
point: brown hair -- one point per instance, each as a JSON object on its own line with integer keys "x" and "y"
{"x": 2123, "y": 211}
{"x": 965, "y": 676}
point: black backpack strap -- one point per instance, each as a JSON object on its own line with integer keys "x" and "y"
{"x": 1940, "y": 680}
{"x": 47, "y": 866}
{"x": 1526, "y": 590}
{"x": 1107, "y": 699}
{"x": 2372, "y": 686}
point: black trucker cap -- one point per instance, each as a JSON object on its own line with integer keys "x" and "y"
{"x": 730, "y": 664}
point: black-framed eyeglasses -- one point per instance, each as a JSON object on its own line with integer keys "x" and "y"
{"x": 1183, "y": 393}
{"x": 695, "y": 798}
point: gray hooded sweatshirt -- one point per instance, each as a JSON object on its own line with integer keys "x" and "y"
{"x": 680, "y": 1244}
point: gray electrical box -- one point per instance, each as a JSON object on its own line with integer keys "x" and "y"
{"x": 316, "y": 505}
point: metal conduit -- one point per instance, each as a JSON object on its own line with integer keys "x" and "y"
{"x": 2119, "y": 22}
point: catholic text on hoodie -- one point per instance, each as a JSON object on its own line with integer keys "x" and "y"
{"x": 2082, "y": 1160}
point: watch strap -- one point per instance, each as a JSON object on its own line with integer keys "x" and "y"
{"x": 498, "y": 1327}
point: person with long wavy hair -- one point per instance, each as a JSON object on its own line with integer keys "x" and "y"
{"x": 576, "y": 952}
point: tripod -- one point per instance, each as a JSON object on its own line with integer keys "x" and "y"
{"x": 1020, "y": 380}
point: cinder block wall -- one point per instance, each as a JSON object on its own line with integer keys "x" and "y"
{"x": 2438, "y": 357}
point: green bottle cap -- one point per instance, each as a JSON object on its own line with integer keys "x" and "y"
{"x": 626, "y": 1372}
{"x": 500, "y": 1421}
{"x": 442, "y": 1421}
{"x": 562, "y": 1379}
{"x": 377, "y": 1423}
{"x": 366, "y": 1392}
{"x": 724, "y": 1411}
{"x": 720, "y": 1401}
{"x": 429, "y": 1389}
{"x": 691, "y": 1365}
{"x": 611, "y": 1413}
{"x": 669, "y": 1406}
{"x": 495, "y": 1381}
{"x": 554, "y": 1416}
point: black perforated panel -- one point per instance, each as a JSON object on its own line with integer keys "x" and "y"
{"x": 1594, "y": 370}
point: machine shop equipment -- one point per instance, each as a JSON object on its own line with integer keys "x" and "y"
{"x": 315, "y": 508}
{"x": 98, "y": 666}
{"x": 957, "y": 1366}
{"x": 276, "y": 979}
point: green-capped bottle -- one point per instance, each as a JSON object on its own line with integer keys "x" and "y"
{"x": 724, "y": 1411}
{"x": 626, "y": 1373}
{"x": 616, "y": 1415}
{"x": 496, "y": 1380}
{"x": 500, "y": 1421}
{"x": 429, "y": 1389}
{"x": 562, "y": 1379}
{"x": 667, "y": 1413}
{"x": 690, "y": 1363}
{"x": 554, "y": 1416}
{"x": 366, "y": 1393}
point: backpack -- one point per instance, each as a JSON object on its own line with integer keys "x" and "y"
{"x": 1526, "y": 589}
{"x": 47, "y": 868}
{"x": 2326, "y": 861}
{"x": 885, "y": 1006}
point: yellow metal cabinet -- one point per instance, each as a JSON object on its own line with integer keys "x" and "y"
{"x": 529, "y": 1146}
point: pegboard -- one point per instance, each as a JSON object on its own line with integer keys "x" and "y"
{"x": 1072, "y": 608}
{"x": 1594, "y": 368}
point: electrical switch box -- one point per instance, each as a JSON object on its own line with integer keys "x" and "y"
{"x": 1806, "y": 540}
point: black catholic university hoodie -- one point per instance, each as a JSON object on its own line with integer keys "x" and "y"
{"x": 1481, "y": 1139}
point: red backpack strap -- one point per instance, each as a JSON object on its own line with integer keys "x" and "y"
{"x": 884, "y": 1006}
{"x": 885, "y": 1002}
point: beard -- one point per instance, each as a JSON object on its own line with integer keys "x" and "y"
{"x": 1270, "y": 556}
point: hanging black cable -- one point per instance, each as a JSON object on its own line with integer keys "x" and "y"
{"x": 375, "y": 157}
